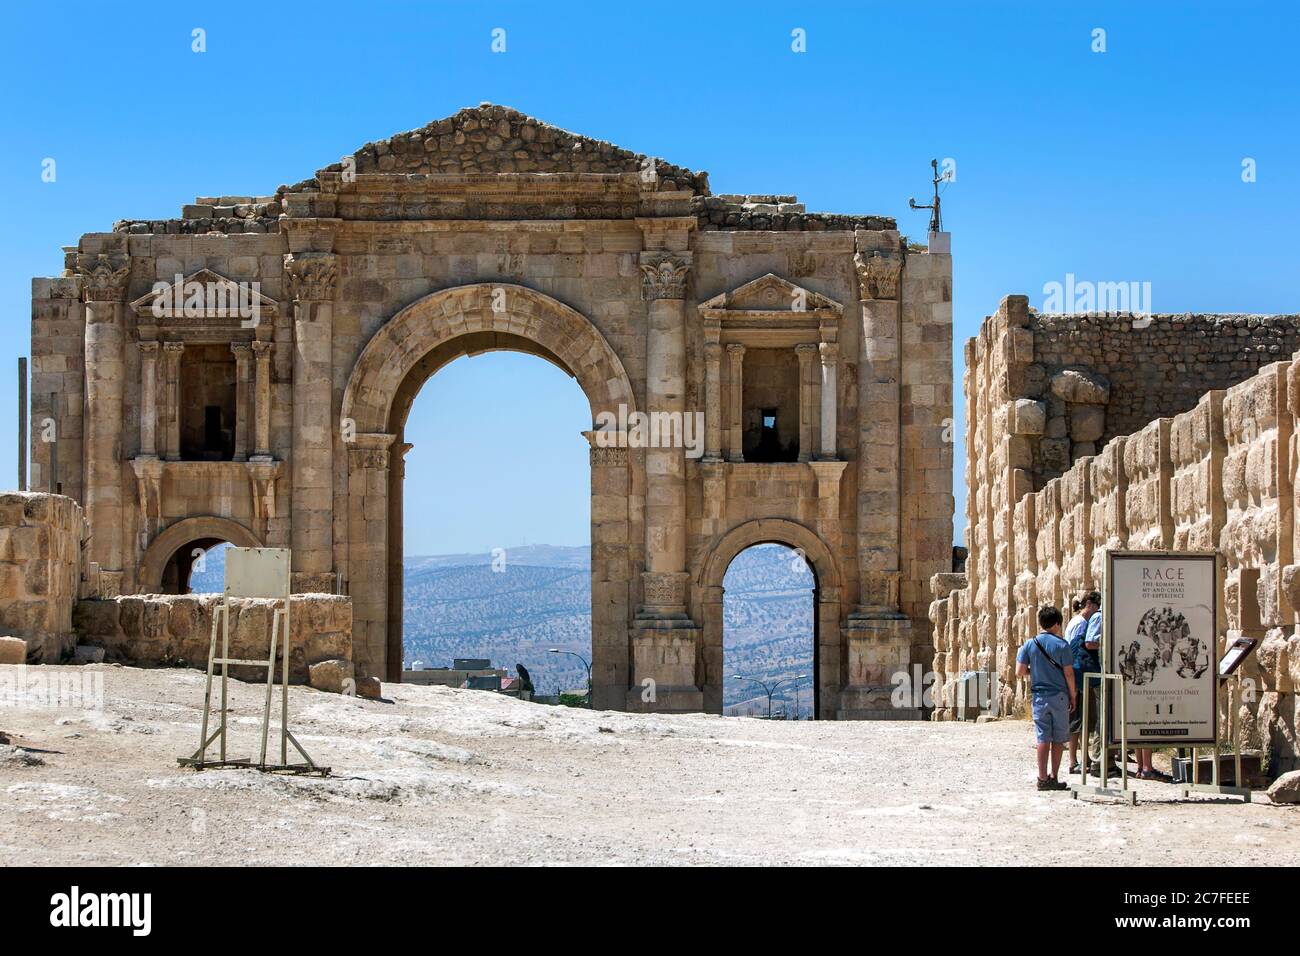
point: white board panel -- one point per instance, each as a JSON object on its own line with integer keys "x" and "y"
{"x": 257, "y": 572}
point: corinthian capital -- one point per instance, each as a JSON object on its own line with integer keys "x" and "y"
{"x": 105, "y": 277}
{"x": 312, "y": 275}
{"x": 878, "y": 275}
{"x": 664, "y": 274}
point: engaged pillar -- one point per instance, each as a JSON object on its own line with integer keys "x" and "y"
{"x": 807, "y": 386}
{"x": 736, "y": 403}
{"x": 243, "y": 406}
{"x": 368, "y": 519}
{"x": 148, "y": 399}
{"x": 877, "y": 633}
{"x": 172, "y": 399}
{"x": 830, "y": 356}
{"x": 262, "y": 400}
{"x": 312, "y": 279}
{"x": 105, "y": 279}
{"x": 665, "y": 639}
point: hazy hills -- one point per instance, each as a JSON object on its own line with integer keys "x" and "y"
{"x": 513, "y": 606}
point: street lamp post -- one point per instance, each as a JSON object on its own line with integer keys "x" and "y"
{"x": 585, "y": 663}
{"x": 770, "y": 689}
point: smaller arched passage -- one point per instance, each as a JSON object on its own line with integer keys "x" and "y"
{"x": 828, "y": 650}
{"x": 166, "y": 564}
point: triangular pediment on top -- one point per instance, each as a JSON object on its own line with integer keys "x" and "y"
{"x": 204, "y": 297}
{"x": 770, "y": 294}
{"x": 489, "y": 139}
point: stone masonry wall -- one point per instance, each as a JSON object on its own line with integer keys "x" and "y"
{"x": 40, "y": 554}
{"x": 1219, "y": 474}
{"x": 176, "y": 630}
{"x": 1082, "y": 380}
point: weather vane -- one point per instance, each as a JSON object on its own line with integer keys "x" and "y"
{"x": 936, "y": 223}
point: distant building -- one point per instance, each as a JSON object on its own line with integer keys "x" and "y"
{"x": 472, "y": 673}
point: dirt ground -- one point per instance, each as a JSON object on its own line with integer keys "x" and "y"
{"x": 440, "y": 776}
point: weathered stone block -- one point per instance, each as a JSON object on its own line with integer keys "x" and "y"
{"x": 13, "y": 650}
{"x": 333, "y": 676}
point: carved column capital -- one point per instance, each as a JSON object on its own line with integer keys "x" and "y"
{"x": 664, "y": 275}
{"x": 713, "y": 351}
{"x": 241, "y": 349}
{"x": 104, "y": 277}
{"x": 148, "y": 348}
{"x": 312, "y": 275}
{"x": 878, "y": 275}
{"x": 173, "y": 348}
{"x": 370, "y": 450}
{"x": 830, "y": 352}
{"x": 805, "y": 351}
{"x": 736, "y": 351}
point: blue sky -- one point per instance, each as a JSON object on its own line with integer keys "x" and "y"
{"x": 1122, "y": 165}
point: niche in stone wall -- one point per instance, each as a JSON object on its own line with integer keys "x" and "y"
{"x": 208, "y": 401}
{"x": 771, "y": 405}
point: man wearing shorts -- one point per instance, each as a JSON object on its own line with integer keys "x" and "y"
{"x": 1046, "y": 660}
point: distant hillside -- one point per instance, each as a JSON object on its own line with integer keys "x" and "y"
{"x": 536, "y": 597}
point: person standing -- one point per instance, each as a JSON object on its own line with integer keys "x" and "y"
{"x": 1045, "y": 659}
{"x": 1084, "y": 660}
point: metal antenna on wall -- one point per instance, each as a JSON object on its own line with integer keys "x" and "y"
{"x": 936, "y": 222}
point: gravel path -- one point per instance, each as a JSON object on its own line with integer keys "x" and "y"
{"x": 440, "y": 776}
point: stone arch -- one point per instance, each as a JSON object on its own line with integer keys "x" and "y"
{"x": 188, "y": 531}
{"x": 828, "y": 651}
{"x": 529, "y": 320}
{"x": 420, "y": 339}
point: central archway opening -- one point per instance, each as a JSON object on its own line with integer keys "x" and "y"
{"x": 769, "y": 627}
{"x": 490, "y": 500}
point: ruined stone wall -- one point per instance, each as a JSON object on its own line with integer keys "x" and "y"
{"x": 1220, "y": 474}
{"x": 1156, "y": 366}
{"x": 40, "y": 570}
{"x": 176, "y": 630}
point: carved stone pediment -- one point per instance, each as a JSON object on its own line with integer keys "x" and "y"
{"x": 772, "y": 312}
{"x": 206, "y": 305}
{"x": 770, "y": 294}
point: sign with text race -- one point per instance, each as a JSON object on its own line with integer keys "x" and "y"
{"x": 1160, "y": 632}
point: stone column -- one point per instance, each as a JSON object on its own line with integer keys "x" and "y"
{"x": 243, "y": 404}
{"x": 712, "y": 401}
{"x": 312, "y": 279}
{"x": 172, "y": 399}
{"x": 262, "y": 400}
{"x": 877, "y": 633}
{"x": 665, "y": 639}
{"x": 807, "y": 400}
{"x": 830, "y": 355}
{"x": 736, "y": 403}
{"x": 664, "y": 288}
{"x": 368, "y": 556}
{"x": 148, "y": 399}
{"x": 105, "y": 284}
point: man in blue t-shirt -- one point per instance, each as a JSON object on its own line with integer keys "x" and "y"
{"x": 1045, "y": 659}
{"x": 1084, "y": 635}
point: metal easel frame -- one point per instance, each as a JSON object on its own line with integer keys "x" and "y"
{"x": 244, "y": 565}
{"x": 1234, "y": 734}
{"x": 1105, "y": 790}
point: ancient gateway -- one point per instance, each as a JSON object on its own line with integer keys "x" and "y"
{"x": 244, "y": 373}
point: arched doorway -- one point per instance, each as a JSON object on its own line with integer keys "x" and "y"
{"x": 828, "y": 654}
{"x": 496, "y": 560}
{"x": 401, "y": 356}
{"x": 769, "y": 651}
{"x": 170, "y": 558}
